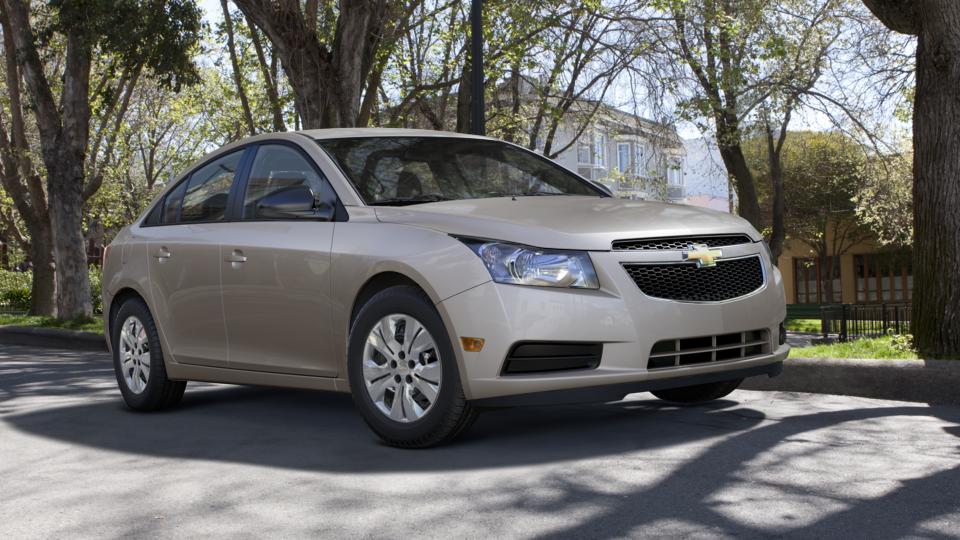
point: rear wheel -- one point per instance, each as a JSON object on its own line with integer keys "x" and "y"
{"x": 138, "y": 360}
{"x": 403, "y": 372}
{"x": 698, "y": 393}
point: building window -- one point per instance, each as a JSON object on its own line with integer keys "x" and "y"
{"x": 600, "y": 149}
{"x": 639, "y": 159}
{"x": 674, "y": 174}
{"x": 583, "y": 152}
{"x": 812, "y": 284}
{"x": 883, "y": 277}
{"x": 623, "y": 157}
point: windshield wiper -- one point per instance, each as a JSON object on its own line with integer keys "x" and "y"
{"x": 416, "y": 199}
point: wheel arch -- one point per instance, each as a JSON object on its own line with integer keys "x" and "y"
{"x": 379, "y": 282}
{"x": 386, "y": 278}
{"x": 118, "y": 299}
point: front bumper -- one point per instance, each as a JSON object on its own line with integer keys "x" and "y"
{"x": 619, "y": 316}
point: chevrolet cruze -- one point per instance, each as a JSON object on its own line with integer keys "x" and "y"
{"x": 431, "y": 275}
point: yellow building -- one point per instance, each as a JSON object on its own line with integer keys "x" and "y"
{"x": 866, "y": 273}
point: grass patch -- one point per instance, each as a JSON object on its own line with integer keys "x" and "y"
{"x": 807, "y": 326}
{"x": 84, "y": 324}
{"x": 885, "y": 348}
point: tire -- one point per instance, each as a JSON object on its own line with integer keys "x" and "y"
{"x": 699, "y": 393}
{"x": 397, "y": 380}
{"x": 157, "y": 392}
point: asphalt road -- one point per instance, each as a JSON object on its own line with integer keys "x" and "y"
{"x": 245, "y": 462}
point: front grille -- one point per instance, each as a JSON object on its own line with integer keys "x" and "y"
{"x": 680, "y": 242}
{"x": 685, "y": 282}
{"x": 670, "y": 353}
{"x": 540, "y": 357}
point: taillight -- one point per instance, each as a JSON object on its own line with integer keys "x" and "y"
{"x": 103, "y": 258}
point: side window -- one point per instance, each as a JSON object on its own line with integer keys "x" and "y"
{"x": 171, "y": 205}
{"x": 278, "y": 167}
{"x": 208, "y": 190}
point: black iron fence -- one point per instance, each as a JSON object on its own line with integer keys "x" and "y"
{"x": 848, "y": 321}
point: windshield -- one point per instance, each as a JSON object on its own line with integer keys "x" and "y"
{"x": 412, "y": 170}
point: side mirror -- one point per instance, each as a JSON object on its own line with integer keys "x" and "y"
{"x": 603, "y": 187}
{"x": 294, "y": 202}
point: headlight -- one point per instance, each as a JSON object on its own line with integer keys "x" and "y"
{"x": 524, "y": 265}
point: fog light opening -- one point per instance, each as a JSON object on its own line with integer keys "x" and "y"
{"x": 472, "y": 344}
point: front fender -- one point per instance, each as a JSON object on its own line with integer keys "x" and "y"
{"x": 439, "y": 264}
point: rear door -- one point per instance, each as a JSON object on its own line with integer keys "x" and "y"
{"x": 276, "y": 272}
{"x": 184, "y": 263}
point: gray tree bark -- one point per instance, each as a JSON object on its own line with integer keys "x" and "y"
{"x": 237, "y": 71}
{"x": 936, "y": 168}
{"x": 64, "y": 133}
{"x": 327, "y": 80}
{"x": 21, "y": 181}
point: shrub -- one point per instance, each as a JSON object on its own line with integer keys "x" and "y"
{"x": 15, "y": 290}
{"x": 902, "y": 343}
{"x": 96, "y": 291}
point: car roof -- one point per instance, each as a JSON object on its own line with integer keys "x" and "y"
{"x": 342, "y": 133}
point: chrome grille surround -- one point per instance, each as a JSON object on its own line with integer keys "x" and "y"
{"x": 680, "y": 242}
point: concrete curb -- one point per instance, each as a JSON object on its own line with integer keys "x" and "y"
{"x": 927, "y": 381}
{"x": 52, "y": 337}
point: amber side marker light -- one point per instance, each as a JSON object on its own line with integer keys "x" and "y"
{"x": 472, "y": 344}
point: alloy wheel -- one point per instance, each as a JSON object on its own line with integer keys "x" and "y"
{"x": 402, "y": 371}
{"x": 134, "y": 354}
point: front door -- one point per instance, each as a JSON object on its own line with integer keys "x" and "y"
{"x": 276, "y": 274}
{"x": 184, "y": 264}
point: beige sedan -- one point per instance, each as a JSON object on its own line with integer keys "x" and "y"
{"x": 431, "y": 275}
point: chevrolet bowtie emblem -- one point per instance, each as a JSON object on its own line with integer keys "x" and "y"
{"x": 702, "y": 253}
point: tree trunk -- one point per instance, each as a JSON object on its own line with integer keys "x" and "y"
{"x": 736, "y": 164}
{"x": 778, "y": 235}
{"x": 463, "y": 97}
{"x": 65, "y": 187}
{"x": 237, "y": 72}
{"x": 64, "y": 129}
{"x": 327, "y": 80}
{"x": 936, "y": 191}
{"x": 510, "y": 133}
{"x": 43, "y": 296}
{"x": 270, "y": 80}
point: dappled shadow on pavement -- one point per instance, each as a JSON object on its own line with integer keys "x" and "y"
{"x": 321, "y": 431}
{"x": 742, "y": 461}
{"x": 30, "y": 372}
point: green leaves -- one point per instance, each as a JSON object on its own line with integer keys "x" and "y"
{"x": 161, "y": 35}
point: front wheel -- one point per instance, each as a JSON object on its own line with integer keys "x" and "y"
{"x": 403, "y": 372}
{"x": 699, "y": 393}
{"x": 138, "y": 360}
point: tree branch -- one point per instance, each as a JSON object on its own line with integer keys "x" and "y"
{"x": 898, "y": 15}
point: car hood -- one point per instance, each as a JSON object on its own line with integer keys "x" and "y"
{"x": 565, "y": 222}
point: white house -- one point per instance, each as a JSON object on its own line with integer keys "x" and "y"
{"x": 635, "y": 157}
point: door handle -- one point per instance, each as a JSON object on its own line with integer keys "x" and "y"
{"x": 236, "y": 257}
{"x": 162, "y": 253}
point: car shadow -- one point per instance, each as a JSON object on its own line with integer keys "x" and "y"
{"x": 322, "y": 431}
{"x": 316, "y": 431}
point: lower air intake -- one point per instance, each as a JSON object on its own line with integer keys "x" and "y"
{"x": 671, "y": 353}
